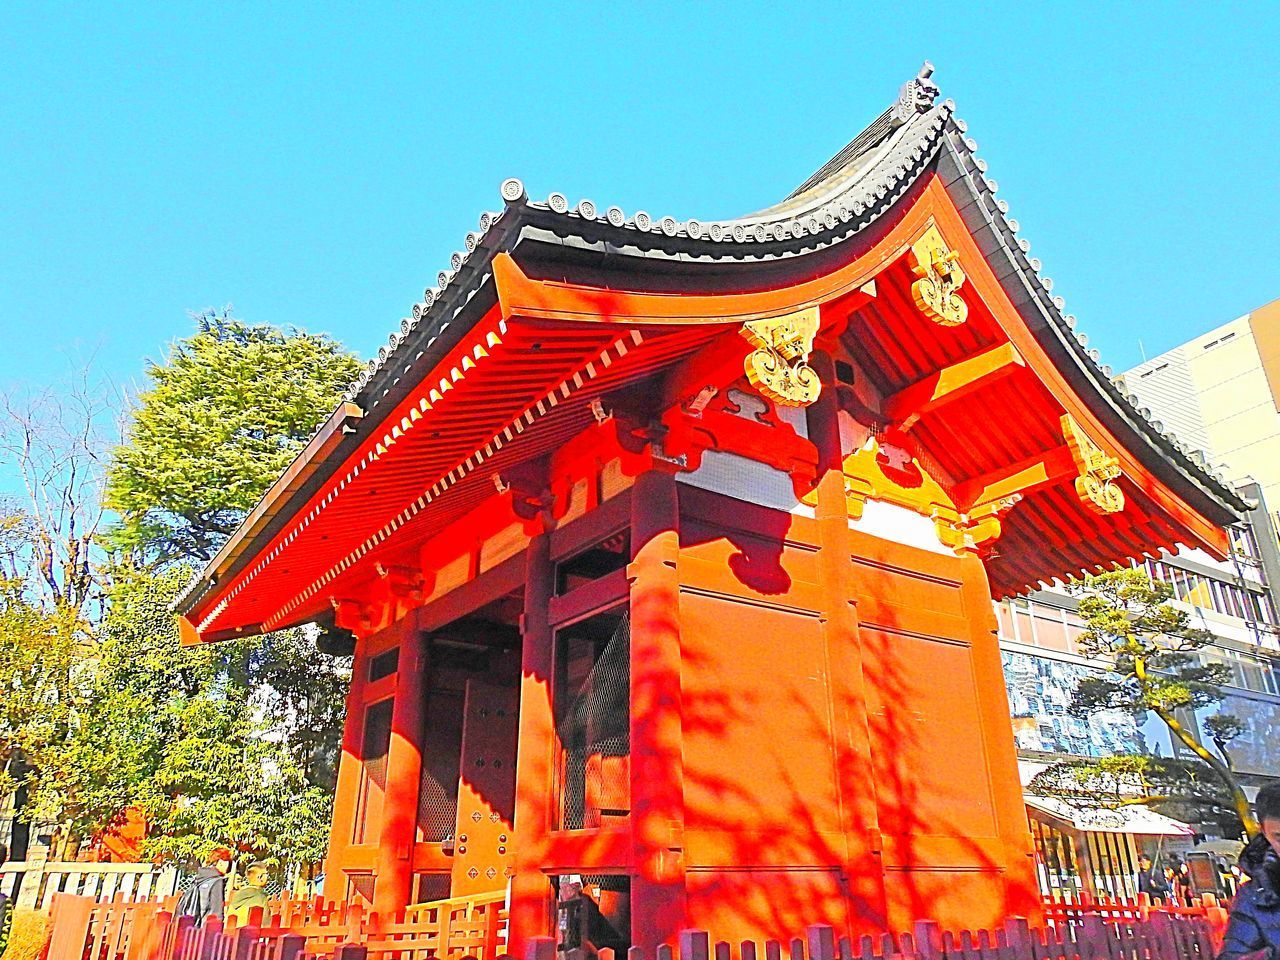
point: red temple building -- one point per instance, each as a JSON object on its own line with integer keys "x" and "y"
{"x": 668, "y": 551}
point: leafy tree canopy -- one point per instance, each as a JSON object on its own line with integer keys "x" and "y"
{"x": 229, "y": 744}
{"x": 220, "y": 419}
{"x": 1150, "y": 650}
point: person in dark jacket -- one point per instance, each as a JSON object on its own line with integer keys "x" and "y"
{"x": 1151, "y": 879}
{"x": 1254, "y": 928}
{"x": 205, "y": 896}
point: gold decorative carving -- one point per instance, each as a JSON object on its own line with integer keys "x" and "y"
{"x": 975, "y": 531}
{"x": 1096, "y": 485}
{"x": 777, "y": 368}
{"x": 881, "y": 471}
{"x": 938, "y": 268}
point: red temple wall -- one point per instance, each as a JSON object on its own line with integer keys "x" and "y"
{"x": 774, "y": 721}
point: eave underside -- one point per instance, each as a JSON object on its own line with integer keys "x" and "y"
{"x": 518, "y": 385}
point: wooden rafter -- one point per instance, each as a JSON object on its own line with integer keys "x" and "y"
{"x": 951, "y": 383}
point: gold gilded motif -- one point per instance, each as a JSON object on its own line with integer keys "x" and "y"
{"x": 975, "y": 531}
{"x": 938, "y": 268}
{"x": 777, "y": 367}
{"x": 1095, "y": 486}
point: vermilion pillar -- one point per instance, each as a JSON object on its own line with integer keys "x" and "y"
{"x": 855, "y": 777}
{"x": 658, "y": 895}
{"x": 529, "y": 887}
{"x": 350, "y": 769}
{"x": 393, "y": 889}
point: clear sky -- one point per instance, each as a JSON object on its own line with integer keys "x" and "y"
{"x": 315, "y": 165}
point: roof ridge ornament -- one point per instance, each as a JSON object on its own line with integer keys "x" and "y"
{"x": 916, "y": 96}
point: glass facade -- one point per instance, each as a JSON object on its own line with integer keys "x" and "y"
{"x": 1212, "y": 594}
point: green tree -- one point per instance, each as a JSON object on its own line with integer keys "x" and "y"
{"x": 232, "y": 743}
{"x": 221, "y": 418}
{"x": 1151, "y": 650}
{"x": 43, "y": 682}
{"x": 188, "y": 736}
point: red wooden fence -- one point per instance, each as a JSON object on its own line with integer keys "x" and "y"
{"x": 306, "y": 930}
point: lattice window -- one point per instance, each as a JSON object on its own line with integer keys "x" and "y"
{"x": 438, "y": 794}
{"x": 373, "y": 780}
{"x": 593, "y": 720}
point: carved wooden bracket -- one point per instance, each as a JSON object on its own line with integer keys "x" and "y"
{"x": 935, "y": 293}
{"x": 402, "y": 582}
{"x": 777, "y": 368}
{"x": 975, "y": 531}
{"x": 1095, "y": 486}
{"x": 351, "y": 615}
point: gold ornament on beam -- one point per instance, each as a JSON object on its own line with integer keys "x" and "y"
{"x": 777, "y": 368}
{"x": 940, "y": 277}
{"x": 1096, "y": 485}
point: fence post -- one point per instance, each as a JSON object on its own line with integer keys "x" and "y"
{"x": 71, "y": 920}
{"x": 822, "y": 942}
{"x": 695, "y": 945}
{"x": 146, "y": 940}
{"x": 352, "y": 951}
{"x": 291, "y": 946}
{"x": 30, "y": 885}
{"x": 210, "y": 933}
{"x": 491, "y": 925}
{"x": 245, "y": 938}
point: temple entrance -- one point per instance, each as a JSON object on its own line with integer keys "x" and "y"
{"x": 486, "y": 794}
{"x": 466, "y": 800}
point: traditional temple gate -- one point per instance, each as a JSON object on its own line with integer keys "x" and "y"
{"x": 695, "y": 529}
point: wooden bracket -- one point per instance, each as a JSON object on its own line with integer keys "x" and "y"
{"x": 905, "y": 408}
{"x": 938, "y": 268}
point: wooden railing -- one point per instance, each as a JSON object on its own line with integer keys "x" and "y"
{"x": 32, "y": 885}
{"x": 82, "y": 929}
{"x": 448, "y": 930}
{"x": 1118, "y": 910}
{"x": 1162, "y": 937}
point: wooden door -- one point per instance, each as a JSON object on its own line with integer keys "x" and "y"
{"x": 483, "y": 858}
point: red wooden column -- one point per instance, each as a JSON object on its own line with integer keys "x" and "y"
{"x": 1022, "y": 889}
{"x": 530, "y": 890}
{"x": 392, "y": 890}
{"x": 350, "y": 768}
{"x": 855, "y": 777}
{"x": 658, "y": 899}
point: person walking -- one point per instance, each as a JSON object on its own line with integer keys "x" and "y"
{"x": 1253, "y": 931}
{"x": 252, "y": 893}
{"x": 205, "y": 896}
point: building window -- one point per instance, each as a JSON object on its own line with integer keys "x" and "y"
{"x": 1210, "y": 594}
{"x": 593, "y": 720}
{"x": 599, "y": 560}
{"x": 375, "y": 746}
{"x": 384, "y": 664}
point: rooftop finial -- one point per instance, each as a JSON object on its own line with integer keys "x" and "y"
{"x": 916, "y": 96}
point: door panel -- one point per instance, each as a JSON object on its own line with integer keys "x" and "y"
{"x": 486, "y": 789}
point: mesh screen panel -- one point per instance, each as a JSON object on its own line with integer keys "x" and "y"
{"x": 438, "y": 795}
{"x": 362, "y": 884}
{"x": 431, "y": 886}
{"x": 595, "y": 732}
{"x": 377, "y": 741}
{"x": 375, "y": 745}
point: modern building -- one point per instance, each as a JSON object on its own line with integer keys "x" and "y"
{"x": 1219, "y": 393}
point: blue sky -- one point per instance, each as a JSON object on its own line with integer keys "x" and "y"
{"x": 316, "y": 165}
